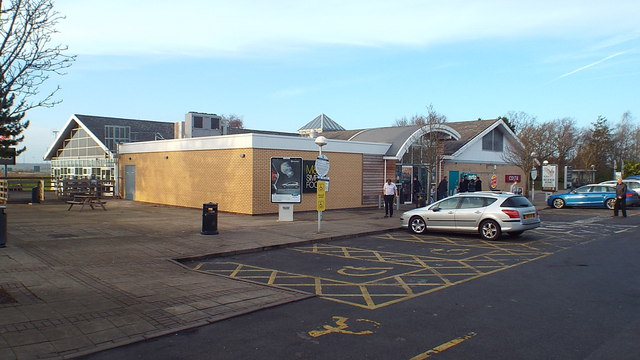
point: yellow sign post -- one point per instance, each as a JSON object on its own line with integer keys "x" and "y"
{"x": 321, "y": 196}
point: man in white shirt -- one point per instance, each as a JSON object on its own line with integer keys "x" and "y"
{"x": 390, "y": 191}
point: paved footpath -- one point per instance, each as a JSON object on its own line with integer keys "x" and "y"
{"x": 76, "y": 282}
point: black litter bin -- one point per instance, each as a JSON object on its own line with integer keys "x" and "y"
{"x": 3, "y": 227}
{"x": 209, "y": 219}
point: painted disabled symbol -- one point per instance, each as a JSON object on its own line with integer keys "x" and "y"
{"x": 341, "y": 327}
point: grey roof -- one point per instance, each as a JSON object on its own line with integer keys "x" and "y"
{"x": 468, "y": 130}
{"x": 394, "y": 135}
{"x": 141, "y": 130}
{"x": 322, "y": 122}
{"x": 398, "y": 135}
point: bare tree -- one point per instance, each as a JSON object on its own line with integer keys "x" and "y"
{"x": 27, "y": 60}
{"x": 233, "y": 120}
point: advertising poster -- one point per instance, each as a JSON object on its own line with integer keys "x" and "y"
{"x": 286, "y": 180}
{"x": 310, "y": 176}
{"x": 550, "y": 177}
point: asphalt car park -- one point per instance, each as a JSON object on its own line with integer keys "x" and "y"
{"x": 377, "y": 271}
{"x": 563, "y": 290}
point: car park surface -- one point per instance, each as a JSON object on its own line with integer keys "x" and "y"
{"x": 488, "y": 213}
{"x": 593, "y": 195}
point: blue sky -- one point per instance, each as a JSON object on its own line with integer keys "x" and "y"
{"x": 278, "y": 64}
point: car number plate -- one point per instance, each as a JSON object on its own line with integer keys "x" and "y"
{"x": 529, "y": 216}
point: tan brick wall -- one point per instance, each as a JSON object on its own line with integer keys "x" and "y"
{"x": 238, "y": 184}
{"x": 191, "y": 178}
{"x": 485, "y": 171}
{"x": 345, "y": 188}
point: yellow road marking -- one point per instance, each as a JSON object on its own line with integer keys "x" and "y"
{"x": 341, "y": 327}
{"x": 363, "y": 271}
{"x": 440, "y": 348}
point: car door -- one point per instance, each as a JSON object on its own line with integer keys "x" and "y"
{"x": 578, "y": 197}
{"x": 469, "y": 213}
{"x": 441, "y": 216}
{"x": 598, "y": 194}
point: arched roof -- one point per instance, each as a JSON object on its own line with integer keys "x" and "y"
{"x": 400, "y": 137}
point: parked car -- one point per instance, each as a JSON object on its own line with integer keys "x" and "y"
{"x": 632, "y": 184}
{"x": 487, "y": 213}
{"x": 592, "y": 195}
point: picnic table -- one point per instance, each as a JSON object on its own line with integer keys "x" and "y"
{"x": 86, "y": 199}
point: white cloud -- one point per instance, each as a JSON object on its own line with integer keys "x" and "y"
{"x": 245, "y": 27}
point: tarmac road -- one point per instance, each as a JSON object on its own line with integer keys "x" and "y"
{"x": 570, "y": 290}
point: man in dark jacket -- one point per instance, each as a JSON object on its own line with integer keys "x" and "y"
{"x": 478, "y": 184}
{"x": 443, "y": 188}
{"x": 621, "y": 198}
{"x": 464, "y": 184}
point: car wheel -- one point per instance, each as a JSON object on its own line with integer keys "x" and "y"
{"x": 516, "y": 233}
{"x": 610, "y": 203}
{"x": 558, "y": 203}
{"x": 417, "y": 225}
{"x": 490, "y": 230}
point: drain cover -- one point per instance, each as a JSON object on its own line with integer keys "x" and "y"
{"x": 6, "y": 298}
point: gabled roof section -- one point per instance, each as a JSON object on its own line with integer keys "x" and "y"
{"x": 141, "y": 130}
{"x": 472, "y": 131}
{"x": 322, "y": 123}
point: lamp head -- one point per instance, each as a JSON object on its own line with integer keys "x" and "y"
{"x": 321, "y": 141}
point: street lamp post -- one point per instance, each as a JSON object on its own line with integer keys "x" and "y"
{"x": 322, "y": 172}
{"x": 534, "y": 174}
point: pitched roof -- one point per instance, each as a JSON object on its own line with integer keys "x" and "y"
{"x": 141, "y": 130}
{"x": 399, "y": 136}
{"x": 468, "y": 130}
{"x": 322, "y": 122}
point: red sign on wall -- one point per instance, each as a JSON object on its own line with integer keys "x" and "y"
{"x": 511, "y": 178}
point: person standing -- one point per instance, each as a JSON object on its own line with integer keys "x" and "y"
{"x": 390, "y": 191}
{"x": 417, "y": 188}
{"x": 621, "y": 198}
{"x": 464, "y": 185}
{"x": 514, "y": 187}
{"x": 478, "y": 184}
{"x": 443, "y": 188}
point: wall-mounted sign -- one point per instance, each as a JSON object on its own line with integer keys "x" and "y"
{"x": 512, "y": 178}
{"x": 286, "y": 180}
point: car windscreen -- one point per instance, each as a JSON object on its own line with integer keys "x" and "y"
{"x": 516, "y": 201}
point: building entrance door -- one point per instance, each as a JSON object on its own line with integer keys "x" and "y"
{"x": 129, "y": 182}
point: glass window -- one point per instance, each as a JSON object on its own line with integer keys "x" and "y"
{"x": 447, "y": 204}
{"x": 197, "y": 122}
{"x": 517, "y": 201}
{"x": 215, "y": 123}
{"x": 472, "y": 202}
{"x": 493, "y": 141}
{"x": 582, "y": 189}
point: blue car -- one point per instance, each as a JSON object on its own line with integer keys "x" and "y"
{"x": 593, "y": 195}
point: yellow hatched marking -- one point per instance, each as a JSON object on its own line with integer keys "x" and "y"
{"x": 272, "y": 278}
{"x": 236, "y": 271}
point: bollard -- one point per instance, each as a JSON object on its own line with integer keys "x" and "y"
{"x": 209, "y": 219}
{"x": 3, "y": 227}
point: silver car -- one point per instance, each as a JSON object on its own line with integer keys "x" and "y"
{"x": 488, "y": 213}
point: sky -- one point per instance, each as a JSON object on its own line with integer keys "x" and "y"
{"x": 364, "y": 63}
